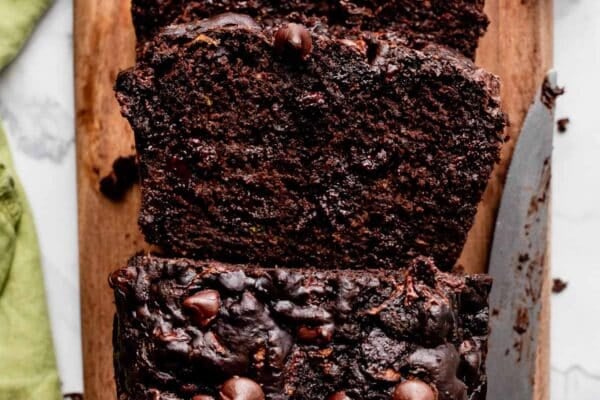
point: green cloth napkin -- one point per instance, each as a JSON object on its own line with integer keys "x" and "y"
{"x": 17, "y": 20}
{"x": 27, "y": 360}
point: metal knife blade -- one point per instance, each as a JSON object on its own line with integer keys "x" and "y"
{"x": 517, "y": 259}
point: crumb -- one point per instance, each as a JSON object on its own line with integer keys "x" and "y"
{"x": 522, "y": 322}
{"x": 123, "y": 176}
{"x": 562, "y": 124}
{"x": 549, "y": 94}
{"x": 558, "y": 286}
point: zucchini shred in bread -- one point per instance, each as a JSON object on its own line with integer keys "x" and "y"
{"x": 206, "y": 330}
{"x": 359, "y": 153}
{"x": 457, "y": 24}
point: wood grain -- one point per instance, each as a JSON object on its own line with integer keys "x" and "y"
{"x": 517, "y": 47}
{"x": 108, "y": 232}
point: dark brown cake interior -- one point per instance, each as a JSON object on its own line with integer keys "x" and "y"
{"x": 363, "y": 154}
{"x": 454, "y": 23}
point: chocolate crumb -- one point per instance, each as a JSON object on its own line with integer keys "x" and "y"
{"x": 550, "y": 93}
{"x": 522, "y": 322}
{"x": 123, "y": 176}
{"x": 558, "y": 285}
{"x": 562, "y": 124}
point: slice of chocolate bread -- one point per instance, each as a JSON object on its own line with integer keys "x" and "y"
{"x": 205, "y": 330}
{"x": 308, "y": 152}
{"x": 455, "y": 23}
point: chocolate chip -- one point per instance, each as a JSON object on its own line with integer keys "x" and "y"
{"x": 154, "y": 394}
{"x": 441, "y": 365}
{"x": 309, "y": 314}
{"x": 123, "y": 176}
{"x": 202, "y": 397}
{"x": 233, "y": 281}
{"x": 122, "y": 278}
{"x": 293, "y": 41}
{"x": 471, "y": 358}
{"x": 321, "y": 334}
{"x": 439, "y": 319}
{"x": 241, "y": 389}
{"x": 339, "y": 396}
{"x": 229, "y": 19}
{"x": 413, "y": 389}
{"x": 204, "y": 306}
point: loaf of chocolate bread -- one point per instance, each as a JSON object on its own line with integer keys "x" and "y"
{"x": 207, "y": 330}
{"x": 455, "y": 23}
{"x": 307, "y": 150}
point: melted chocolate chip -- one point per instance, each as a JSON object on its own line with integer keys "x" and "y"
{"x": 228, "y": 19}
{"x": 439, "y": 320}
{"x": 204, "y": 306}
{"x": 339, "y": 396}
{"x": 319, "y": 334}
{"x": 233, "y": 281}
{"x": 241, "y": 389}
{"x": 441, "y": 364}
{"x": 309, "y": 314}
{"x": 413, "y": 389}
{"x": 293, "y": 41}
{"x": 471, "y": 355}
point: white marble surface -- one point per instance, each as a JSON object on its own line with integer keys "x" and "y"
{"x": 36, "y": 103}
{"x": 36, "y": 106}
{"x": 576, "y": 215}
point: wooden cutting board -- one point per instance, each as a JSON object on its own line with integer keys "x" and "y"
{"x": 517, "y": 47}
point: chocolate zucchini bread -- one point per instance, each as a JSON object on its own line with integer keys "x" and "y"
{"x": 206, "y": 330}
{"x": 455, "y": 23}
{"x": 308, "y": 150}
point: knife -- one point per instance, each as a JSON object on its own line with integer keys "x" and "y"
{"x": 517, "y": 259}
